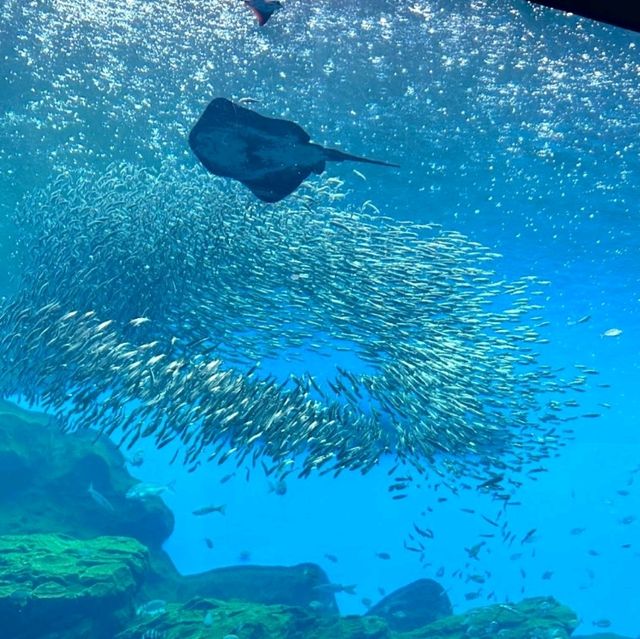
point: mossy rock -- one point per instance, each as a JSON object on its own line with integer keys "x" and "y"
{"x": 539, "y": 618}
{"x": 56, "y": 583}
{"x": 45, "y": 475}
{"x": 215, "y": 619}
{"x": 535, "y": 618}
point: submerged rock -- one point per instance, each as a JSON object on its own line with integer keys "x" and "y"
{"x": 300, "y": 585}
{"x": 413, "y": 606}
{"x": 539, "y": 618}
{"x": 45, "y": 476}
{"x": 55, "y": 584}
{"x": 227, "y": 619}
{"x": 535, "y": 618}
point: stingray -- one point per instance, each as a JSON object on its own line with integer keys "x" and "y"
{"x": 263, "y": 9}
{"x": 270, "y": 156}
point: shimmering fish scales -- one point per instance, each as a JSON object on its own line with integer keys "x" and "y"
{"x": 464, "y": 385}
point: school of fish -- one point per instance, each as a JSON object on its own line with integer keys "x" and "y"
{"x": 166, "y": 304}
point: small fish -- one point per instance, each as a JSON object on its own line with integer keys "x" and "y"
{"x": 529, "y": 537}
{"x": 206, "y": 510}
{"x": 146, "y": 490}
{"x": 137, "y": 459}
{"x": 366, "y": 602}
{"x": 278, "y": 487}
{"x": 226, "y": 478}
{"x": 139, "y": 321}
{"x": 331, "y": 558}
{"x": 491, "y": 482}
{"x": 336, "y": 588}
{"x": 248, "y": 100}
{"x": 612, "y": 332}
{"x": 474, "y": 550}
{"x": 208, "y": 542}
{"x": 629, "y": 519}
{"x": 100, "y": 499}
{"x": 493, "y": 522}
{"x": 547, "y": 574}
{"x": 263, "y": 9}
{"x": 577, "y": 531}
{"x": 424, "y": 532}
{"x": 602, "y": 623}
{"x": 383, "y": 555}
{"x": 152, "y": 608}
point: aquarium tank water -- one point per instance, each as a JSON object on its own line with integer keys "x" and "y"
{"x": 318, "y": 319}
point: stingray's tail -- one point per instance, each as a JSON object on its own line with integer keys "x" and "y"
{"x": 334, "y": 155}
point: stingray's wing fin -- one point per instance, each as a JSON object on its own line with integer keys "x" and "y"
{"x": 225, "y": 114}
{"x": 278, "y": 184}
{"x": 262, "y": 10}
{"x": 260, "y": 16}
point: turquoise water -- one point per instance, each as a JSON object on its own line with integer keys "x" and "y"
{"x": 515, "y": 126}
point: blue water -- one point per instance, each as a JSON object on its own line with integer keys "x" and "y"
{"x": 517, "y": 126}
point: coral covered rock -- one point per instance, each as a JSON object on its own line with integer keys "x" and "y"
{"x": 55, "y": 584}
{"x": 45, "y": 476}
{"x": 214, "y": 618}
{"x": 535, "y": 618}
{"x": 539, "y": 618}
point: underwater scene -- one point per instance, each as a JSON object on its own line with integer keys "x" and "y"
{"x": 318, "y": 319}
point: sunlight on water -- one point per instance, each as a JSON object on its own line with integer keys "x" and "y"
{"x": 483, "y": 335}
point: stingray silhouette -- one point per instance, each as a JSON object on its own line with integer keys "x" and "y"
{"x": 270, "y": 156}
{"x": 263, "y": 9}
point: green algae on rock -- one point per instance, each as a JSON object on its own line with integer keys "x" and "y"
{"x": 535, "y": 618}
{"x": 55, "y": 583}
{"x": 208, "y": 618}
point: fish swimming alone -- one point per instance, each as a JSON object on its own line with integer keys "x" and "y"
{"x": 206, "y": 510}
{"x": 270, "y": 156}
{"x": 144, "y": 490}
{"x": 263, "y": 9}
